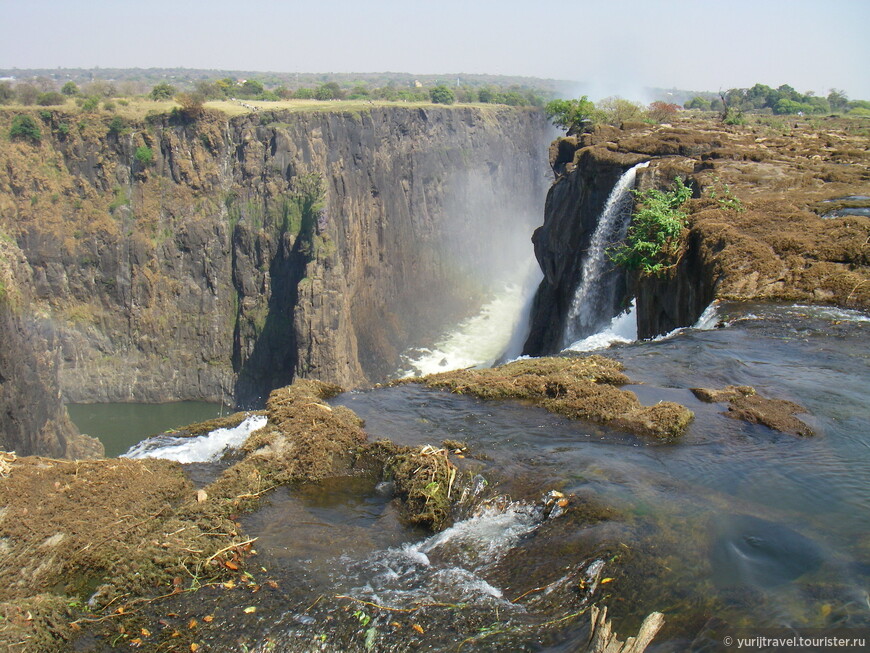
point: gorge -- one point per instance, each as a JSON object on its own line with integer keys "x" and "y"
{"x": 252, "y": 252}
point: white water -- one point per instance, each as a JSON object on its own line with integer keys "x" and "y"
{"x": 199, "y": 449}
{"x": 594, "y": 296}
{"x": 479, "y": 341}
{"x": 622, "y": 329}
{"x": 447, "y": 566}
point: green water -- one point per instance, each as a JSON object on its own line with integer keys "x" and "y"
{"x": 120, "y": 426}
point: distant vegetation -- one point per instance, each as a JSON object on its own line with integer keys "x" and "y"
{"x": 90, "y": 90}
{"x": 783, "y": 100}
{"x": 576, "y": 116}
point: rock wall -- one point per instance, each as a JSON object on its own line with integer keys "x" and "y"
{"x": 178, "y": 260}
{"x": 574, "y": 203}
{"x": 761, "y": 222}
{"x": 33, "y": 419}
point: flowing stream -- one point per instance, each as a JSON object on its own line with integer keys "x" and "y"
{"x": 734, "y": 523}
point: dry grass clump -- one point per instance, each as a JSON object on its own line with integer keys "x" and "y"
{"x": 577, "y": 387}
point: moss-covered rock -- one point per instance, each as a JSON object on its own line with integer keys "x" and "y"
{"x": 577, "y": 387}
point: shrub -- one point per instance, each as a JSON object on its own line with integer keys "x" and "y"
{"x": 442, "y": 95}
{"x": 25, "y": 127}
{"x": 116, "y": 125}
{"x": 90, "y": 104}
{"x": 70, "y": 89}
{"x": 163, "y": 91}
{"x": 144, "y": 155}
{"x": 63, "y": 130}
{"x": 656, "y": 226}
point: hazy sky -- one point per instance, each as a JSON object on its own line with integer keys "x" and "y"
{"x": 617, "y": 46}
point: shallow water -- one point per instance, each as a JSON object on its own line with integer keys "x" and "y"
{"x": 119, "y": 426}
{"x": 733, "y": 523}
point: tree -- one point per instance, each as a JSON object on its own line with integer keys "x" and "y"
{"x": 251, "y": 88}
{"x": 50, "y": 99}
{"x": 27, "y": 94}
{"x": 442, "y": 95}
{"x": 616, "y": 110}
{"x": 662, "y": 111}
{"x": 574, "y": 116}
{"x": 191, "y": 105}
{"x": 25, "y": 128}
{"x": 70, "y": 89}
{"x": 163, "y": 91}
{"x": 486, "y": 95}
{"x": 303, "y": 93}
{"x": 7, "y": 93}
{"x": 698, "y": 102}
{"x": 838, "y": 100}
{"x": 328, "y": 91}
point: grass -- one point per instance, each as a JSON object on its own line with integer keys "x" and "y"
{"x": 138, "y": 108}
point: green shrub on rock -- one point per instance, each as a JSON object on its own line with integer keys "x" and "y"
{"x": 654, "y": 234}
{"x": 25, "y": 127}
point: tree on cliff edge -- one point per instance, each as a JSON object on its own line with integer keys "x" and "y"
{"x": 571, "y": 115}
{"x": 442, "y": 95}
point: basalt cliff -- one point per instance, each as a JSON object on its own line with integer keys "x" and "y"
{"x": 780, "y": 211}
{"x": 219, "y": 258}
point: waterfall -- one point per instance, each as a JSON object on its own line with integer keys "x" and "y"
{"x": 593, "y": 303}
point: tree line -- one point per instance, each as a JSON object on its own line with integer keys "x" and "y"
{"x": 44, "y": 92}
{"x": 783, "y": 100}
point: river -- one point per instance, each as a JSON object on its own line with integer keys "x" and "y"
{"x": 733, "y": 525}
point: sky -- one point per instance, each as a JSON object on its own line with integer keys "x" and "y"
{"x": 613, "y": 47}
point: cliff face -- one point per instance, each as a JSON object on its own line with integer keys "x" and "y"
{"x": 206, "y": 260}
{"x": 33, "y": 419}
{"x": 756, "y": 229}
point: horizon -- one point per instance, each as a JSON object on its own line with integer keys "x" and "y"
{"x": 609, "y": 49}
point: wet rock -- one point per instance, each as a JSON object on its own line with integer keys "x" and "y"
{"x": 725, "y": 394}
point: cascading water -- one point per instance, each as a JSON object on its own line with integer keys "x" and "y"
{"x": 592, "y": 306}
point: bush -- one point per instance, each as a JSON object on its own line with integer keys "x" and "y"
{"x": 116, "y": 125}
{"x": 144, "y": 155}
{"x": 442, "y": 95}
{"x": 90, "y": 104}
{"x": 163, "y": 91}
{"x": 656, "y": 226}
{"x": 25, "y": 128}
{"x": 70, "y": 89}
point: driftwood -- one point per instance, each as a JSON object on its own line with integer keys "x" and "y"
{"x": 602, "y": 639}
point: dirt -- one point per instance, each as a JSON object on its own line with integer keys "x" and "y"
{"x": 107, "y": 529}
{"x": 578, "y": 387}
{"x": 86, "y": 546}
{"x": 747, "y": 405}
